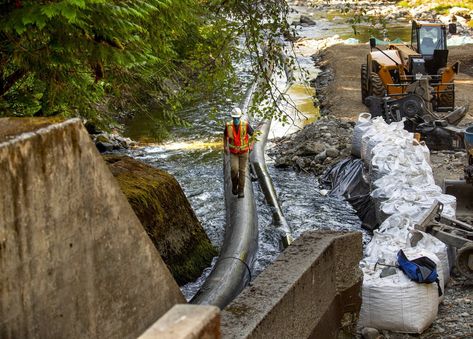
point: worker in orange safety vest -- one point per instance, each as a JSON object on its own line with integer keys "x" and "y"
{"x": 237, "y": 142}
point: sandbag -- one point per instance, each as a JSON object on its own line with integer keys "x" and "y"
{"x": 362, "y": 125}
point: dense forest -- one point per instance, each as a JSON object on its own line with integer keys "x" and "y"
{"x": 100, "y": 59}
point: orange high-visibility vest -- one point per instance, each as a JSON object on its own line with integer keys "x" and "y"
{"x": 238, "y": 142}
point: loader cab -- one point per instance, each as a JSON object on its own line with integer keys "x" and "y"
{"x": 430, "y": 40}
{"x": 427, "y": 37}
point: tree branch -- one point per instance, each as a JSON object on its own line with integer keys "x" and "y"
{"x": 8, "y": 83}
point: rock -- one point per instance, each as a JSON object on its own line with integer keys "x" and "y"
{"x": 282, "y": 162}
{"x": 306, "y": 20}
{"x": 460, "y": 154}
{"x": 102, "y": 138}
{"x": 319, "y": 158}
{"x": 313, "y": 140}
{"x": 166, "y": 215}
{"x": 117, "y": 142}
{"x": 369, "y": 333}
{"x": 318, "y": 169}
{"x": 104, "y": 147}
{"x": 332, "y": 152}
{"x": 302, "y": 163}
{"x": 310, "y": 148}
{"x": 92, "y": 128}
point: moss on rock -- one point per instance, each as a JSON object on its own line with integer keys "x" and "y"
{"x": 166, "y": 215}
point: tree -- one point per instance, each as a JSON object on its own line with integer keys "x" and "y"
{"x": 94, "y": 58}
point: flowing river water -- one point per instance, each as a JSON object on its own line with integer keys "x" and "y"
{"x": 194, "y": 156}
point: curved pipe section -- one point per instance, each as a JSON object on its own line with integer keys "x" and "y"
{"x": 258, "y": 164}
{"x": 233, "y": 269}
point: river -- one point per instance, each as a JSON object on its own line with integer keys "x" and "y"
{"x": 194, "y": 156}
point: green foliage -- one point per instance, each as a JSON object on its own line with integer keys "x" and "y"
{"x": 98, "y": 58}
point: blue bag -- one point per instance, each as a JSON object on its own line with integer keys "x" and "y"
{"x": 421, "y": 270}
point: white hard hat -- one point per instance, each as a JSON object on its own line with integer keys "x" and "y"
{"x": 236, "y": 112}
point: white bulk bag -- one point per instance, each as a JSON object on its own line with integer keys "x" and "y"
{"x": 362, "y": 125}
{"x": 396, "y": 303}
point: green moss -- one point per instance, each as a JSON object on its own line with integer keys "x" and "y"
{"x": 193, "y": 263}
{"x": 166, "y": 215}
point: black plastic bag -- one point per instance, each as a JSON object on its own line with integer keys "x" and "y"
{"x": 345, "y": 179}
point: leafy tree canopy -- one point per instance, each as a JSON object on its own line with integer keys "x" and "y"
{"x": 98, "y": 58}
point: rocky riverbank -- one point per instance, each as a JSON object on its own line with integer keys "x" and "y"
{"x": 391, "y": 11}
{"x": 315, "y": 147}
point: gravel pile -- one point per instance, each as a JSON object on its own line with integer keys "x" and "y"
{"x": 315, "y": 147}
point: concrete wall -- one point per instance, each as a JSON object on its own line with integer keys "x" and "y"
{"x": 312, "y": 290}
{"x": 186, "y": 322}
{"x": 74, "y": 260}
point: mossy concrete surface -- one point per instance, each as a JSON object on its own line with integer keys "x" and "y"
{"x": 75, "y": 261}
{"x": 165, "y": 213}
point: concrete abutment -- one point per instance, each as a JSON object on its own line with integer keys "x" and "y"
{"x": 313, "y": 290}
{"x": 74, "y": 258}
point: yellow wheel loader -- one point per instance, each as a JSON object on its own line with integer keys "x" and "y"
{"x": 415, "y": 82}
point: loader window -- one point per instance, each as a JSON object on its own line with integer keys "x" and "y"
{"x": 431, "y": 38}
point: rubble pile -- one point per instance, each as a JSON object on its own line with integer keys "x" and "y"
{"x": 315, "y": 147}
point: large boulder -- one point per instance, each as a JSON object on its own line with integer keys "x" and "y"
{"x": 165, "y": 213}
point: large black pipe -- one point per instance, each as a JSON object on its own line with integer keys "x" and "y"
{"x": 258, "y": 164}
{"x": 233, "y": 269}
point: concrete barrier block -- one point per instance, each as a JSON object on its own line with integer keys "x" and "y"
{"x": 75, "y": 262}
{"x": 186, "y": 322}
{"x": 311, "y": 290}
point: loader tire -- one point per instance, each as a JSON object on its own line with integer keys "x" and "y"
{"x": 377, "y": 87}
{"x": 364, "y": 83}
